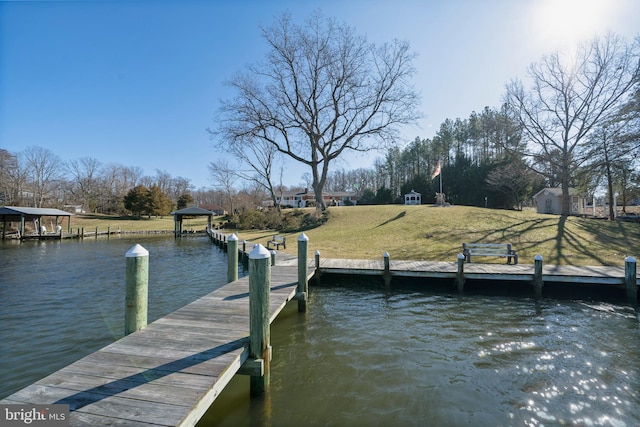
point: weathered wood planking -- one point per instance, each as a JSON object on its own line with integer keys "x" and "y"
{"x": 477, "y": 271}
{"x": 169, "y": 373}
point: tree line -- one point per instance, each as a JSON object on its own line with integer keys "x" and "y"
{"x": 323, "y": 91}
{"x": 37, "y": 177}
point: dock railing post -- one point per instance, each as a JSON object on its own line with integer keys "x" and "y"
{"x": 460, "y": 274}
{"x": 137, "y": 289}
{"x": 386, "y": 275}
{"x": 259, "y": 328}
{"x": 303, "y": 272}
{"x": 317, "y": 273}
{"x": 273, "y": 257}
{"x": 232, "y": 258}
{"x": 630, "y": 282}
{"x": 537, "y": 275}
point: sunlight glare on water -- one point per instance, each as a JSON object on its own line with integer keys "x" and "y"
{"x": 363, "y": 357}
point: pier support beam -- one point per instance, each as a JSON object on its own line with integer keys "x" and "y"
{"x": 537, "y": 275}
{"x": 137, "y": 289}
{"x": 303, "y": 272}
{"x": 460, "y": 273}
{"x": 630, "y": 282}
{"x": 259, "y": 328}
{"x": 232, "y": 257}
{"x": 386, "y": 275}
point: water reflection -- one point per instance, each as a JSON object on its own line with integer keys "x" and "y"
{"x": 61, "y": 300}
{"x": 369, "y": 357}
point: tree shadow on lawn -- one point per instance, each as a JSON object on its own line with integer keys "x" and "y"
{"x": 564, "y": 241}
{"x": 397, "y": 217}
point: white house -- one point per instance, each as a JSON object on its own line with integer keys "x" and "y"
{"x": 549, "y": 201}
{"x": 301, "y": 199}
{"x": 413, "y": 198}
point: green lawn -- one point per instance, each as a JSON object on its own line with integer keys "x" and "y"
{"x": 126, "y": 223}
{"x": 435, "y": 233}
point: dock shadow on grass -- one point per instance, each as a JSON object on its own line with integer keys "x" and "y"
{"x": 83, "y": 398}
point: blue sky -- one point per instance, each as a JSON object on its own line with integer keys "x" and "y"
{"x": 138, "y": 82}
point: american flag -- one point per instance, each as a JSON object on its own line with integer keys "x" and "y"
{"x": 437, "y": 171}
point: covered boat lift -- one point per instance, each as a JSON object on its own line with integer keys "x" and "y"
{"x": 22, "y": 214}
{"x": 192, "y": 211}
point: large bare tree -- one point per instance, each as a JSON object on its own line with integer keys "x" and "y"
{"x": 570, "y": 96}
{"x": 45, "y": 169}
{"x": 85, "y": 181}
{"x": 321, "y": 91}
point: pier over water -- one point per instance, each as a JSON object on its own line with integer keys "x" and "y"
{"x": 171, "y": 371}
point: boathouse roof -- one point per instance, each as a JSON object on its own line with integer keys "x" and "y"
{"x": 16, "y": 212}
{"x": 193, "y": 210}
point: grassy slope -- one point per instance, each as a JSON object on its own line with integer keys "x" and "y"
{"x": 432, "y": 233}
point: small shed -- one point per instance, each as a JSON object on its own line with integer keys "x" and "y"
{"x": 179, "y": 215}
{"x": 23, "y": 214}
{"x": 413, "y": 198}
{"x": 549, "y": 201}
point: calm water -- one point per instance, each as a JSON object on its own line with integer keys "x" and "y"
{"x": 363, "y": 357}
{"x": 61, "y": 300}
{"x": 360, "y": 356}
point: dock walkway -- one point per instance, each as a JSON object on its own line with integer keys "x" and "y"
{"x": 168, "y": 373}
{"x": 476, "y": 271}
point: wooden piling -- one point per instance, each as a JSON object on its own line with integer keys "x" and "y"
{"x": 245, "y": 255}
{"x": 137, "y": 289}
{"x": 460, "y": 273}
{"x": 630, "y": 282}
{"x": 537, "y": 275}
{"x": 303, "y": 269}
{"x": 232, "y": 258}
{"x": 386, "y": 276}
{"x": 259, "y": 328}
{"x": 273, "y": 257}
{"x": 317, "y": 273}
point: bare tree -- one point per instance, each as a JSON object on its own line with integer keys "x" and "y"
{"x": 257, "y": 158}
{"x": 11, "y": 178}
{"x": 513, "y": 179}
{"x": 568, "y": 99}
{"x": 224, "y": 178}
{"x": 85, "y": 175}
{"x": 44, "y": 170}
{"x": 117, "y": 180}
{"x": 322, "y": 91}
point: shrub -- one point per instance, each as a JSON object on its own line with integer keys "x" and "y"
{"x": 289, "y": 221}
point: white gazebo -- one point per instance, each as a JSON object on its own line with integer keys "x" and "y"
{"x": 413, "y": 198}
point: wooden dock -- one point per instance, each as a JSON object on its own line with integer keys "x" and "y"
{"x": 475, "y": 271}
{"x": 169, "y": 373}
